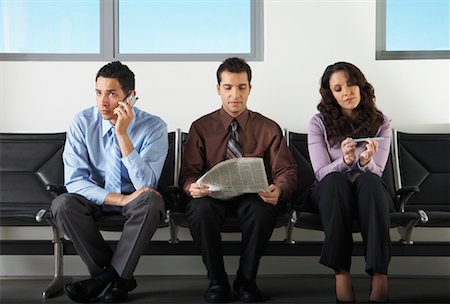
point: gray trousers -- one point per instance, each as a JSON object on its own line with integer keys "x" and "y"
{"x": 76, "y": 216}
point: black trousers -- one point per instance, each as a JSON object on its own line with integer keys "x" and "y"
{"x": 340, "y": 202}
{"x": 256, "y": 219}
{"x": 76, "y": 216}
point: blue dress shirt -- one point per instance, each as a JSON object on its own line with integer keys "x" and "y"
{"x": 86, "y": 144}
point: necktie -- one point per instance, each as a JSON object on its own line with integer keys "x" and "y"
{"x": 234, "y": 146}
{"x": 113, "y": 180}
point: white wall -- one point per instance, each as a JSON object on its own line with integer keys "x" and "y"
{"x": 302, "y": 37}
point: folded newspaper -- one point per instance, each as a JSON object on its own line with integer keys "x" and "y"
{"x": 234, "y": 177}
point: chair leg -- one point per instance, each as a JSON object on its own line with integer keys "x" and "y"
{"x": 406, "y": 232}
{"x": 58, "y": 282}
{"x": 173, "y": 228}
{"x": 290, "y": 228}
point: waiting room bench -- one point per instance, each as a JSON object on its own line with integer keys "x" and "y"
{"x": 31, "y": 175}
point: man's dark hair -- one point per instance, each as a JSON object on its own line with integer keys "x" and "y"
{"x": 118, "y": 71}
{"x": 234, "y": 65}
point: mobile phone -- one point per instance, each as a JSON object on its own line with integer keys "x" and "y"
{"x": 357, "y": 140}
{"x": 132, "y": 99}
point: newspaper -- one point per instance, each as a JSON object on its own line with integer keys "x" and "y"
{"x": 235, "y": 176}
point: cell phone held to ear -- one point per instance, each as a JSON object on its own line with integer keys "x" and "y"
{"x": 131, "y": 99}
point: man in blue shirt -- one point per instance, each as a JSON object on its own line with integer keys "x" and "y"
{"x": 113, "y": 158}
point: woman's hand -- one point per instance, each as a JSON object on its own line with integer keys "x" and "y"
{"x": 371, "y": 149}
{"x": 348, "y": 150}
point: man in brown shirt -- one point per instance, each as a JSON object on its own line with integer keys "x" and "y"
{"x": 205, "y": 147}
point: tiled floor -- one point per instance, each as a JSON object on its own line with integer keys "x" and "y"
{"x": 276, "y": 289}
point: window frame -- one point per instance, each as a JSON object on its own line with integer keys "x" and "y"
{"x": 382, "y": 54}
{"x": 109, "y": 42}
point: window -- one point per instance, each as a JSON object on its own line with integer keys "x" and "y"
{"x": 49, "y": 27}
{"x": 413, "y": 29}
{"x": 131, "y": 29}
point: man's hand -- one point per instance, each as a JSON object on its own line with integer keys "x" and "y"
{"x": 118, "y": 199}
{"x": 124, "y": 117}
{"x": 371, "y": 149}
{"x": 198, "y": 190}
{"x": 272, "y": 195}
{"x": 348, "y": 150}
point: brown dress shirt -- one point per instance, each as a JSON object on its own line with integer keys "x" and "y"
{"x": 261, "y": 137}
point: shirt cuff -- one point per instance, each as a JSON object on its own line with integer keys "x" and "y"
{"x": 367, "y": 167}
{"x": 101, "y": 196}
{"x": 343, "y": 167}
{"x": 131, "y": 160}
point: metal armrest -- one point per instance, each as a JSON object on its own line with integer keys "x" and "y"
{"x": 408, "y": 189}
{"x": 405, "y": 194}
{"x": 42, "y": 215}
{"x": 56, "y": 189}
{"x": 423, "y": 216}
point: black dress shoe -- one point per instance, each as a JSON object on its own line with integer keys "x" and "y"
{"x": 247, "y": 290}
{"x": 118, "y": 291}
{"x": 85, "y": 291}
{"x": 218, "y": 292}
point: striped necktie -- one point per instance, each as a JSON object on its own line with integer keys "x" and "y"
{"x": 234, "y": 146}
{"x": 113, "y": 180}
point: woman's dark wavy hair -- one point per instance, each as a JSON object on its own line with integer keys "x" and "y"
{"x": 367, "y": 117}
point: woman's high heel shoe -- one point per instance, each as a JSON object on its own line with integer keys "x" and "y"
{"x": 376, "y": 301}
{"x": 350, "y": 301}
{"x": 386, "y": 299}
{"x": 353, "y": 300}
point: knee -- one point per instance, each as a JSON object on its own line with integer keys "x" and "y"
{"x": 335, "y": 190}
{"x": 368, "y": 179}
{"x": 368, "y": 176}
{"x": 335, "y": 180}
{"x": 261, "y": 213}
{"x": 147, "y": 206}
{"x": 61, "y": 204}
{"x": 264, "y": 210}
{"x": 151, "y": 200}
{"x": 199, "y": 208}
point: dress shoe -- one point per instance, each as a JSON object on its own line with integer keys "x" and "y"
{"x": 247, "y": 290}
{"x": 118, "y": 291}
{"x": 85, "y": 291}
{"x": 218, "y": 292}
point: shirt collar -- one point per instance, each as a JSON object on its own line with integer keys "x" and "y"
{"x": 106, "y": 126}
{"x": 226, "y": 119}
